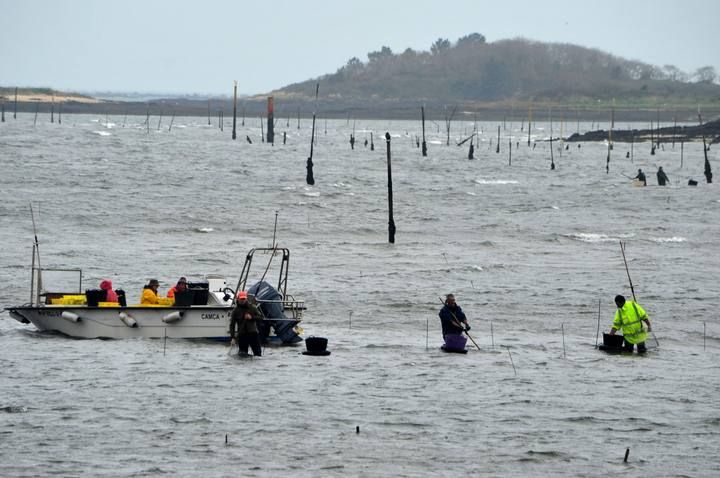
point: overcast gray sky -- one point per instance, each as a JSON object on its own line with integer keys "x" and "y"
{"x": 185, "y": 46}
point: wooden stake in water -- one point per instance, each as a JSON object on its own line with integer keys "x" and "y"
{"x": 275, "y": 229}
{"x": 682, "y": 152}
{"x": 37, "y": 110}
{"x": 391, "y": 220}
{"x": 511, "y": 360}
{"x": 427, "y": 332}
{"x": 497, "y": 150}
{"x": 350, "y": 320}
{"x": 529, "y": 123}
{"x": 234, "y": 135}
{"x": 597, "y": 334}
{"x": 270, "y": 120}
{"x": 424, "y": 144}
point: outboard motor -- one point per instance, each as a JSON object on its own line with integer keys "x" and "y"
{"x": 284, "y": 327}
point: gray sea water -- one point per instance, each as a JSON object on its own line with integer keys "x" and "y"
{"x": 531, "y": 254}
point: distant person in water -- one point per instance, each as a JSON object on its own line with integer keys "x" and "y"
{"x": 149, "y": 293}
{"x": 662, "y": 177}
{"x": 641, "y": 177}
{"x": 629, "y": 318}
{"x": 352, "y": 141}
{"x": 471, "y": 152}
{"x": 452, "y": 318}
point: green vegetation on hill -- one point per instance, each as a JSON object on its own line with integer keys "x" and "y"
{"x": 471, "y": 70}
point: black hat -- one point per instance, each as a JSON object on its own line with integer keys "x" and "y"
{"x": 316, "y": 346}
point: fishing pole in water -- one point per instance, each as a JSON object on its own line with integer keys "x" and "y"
{"x": 632, "y": 289}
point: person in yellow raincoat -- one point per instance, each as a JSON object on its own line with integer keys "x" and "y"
{"x": 149, "y": 293}
{"x": 629, "y": 318}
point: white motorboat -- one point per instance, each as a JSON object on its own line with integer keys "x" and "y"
{"x": 203, "y": 312}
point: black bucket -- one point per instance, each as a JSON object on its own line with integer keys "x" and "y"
{"x": 316, "y": 346}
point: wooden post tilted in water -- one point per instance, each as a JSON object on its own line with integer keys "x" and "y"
{"x": 708, "y": 170}
{"x": 270, "y": 120}
{"x": 391, "y": 221}
{"x": 497, "y": 150}
{"x": 234, "y": 134}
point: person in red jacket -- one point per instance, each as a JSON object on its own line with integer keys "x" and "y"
{"x": 110, "y": 295}
{"x": 179, "y": 287}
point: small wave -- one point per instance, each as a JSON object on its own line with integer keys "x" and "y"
{"x": 102, "y": 133}
{"x": 592, "y": 237}
{"x": 496, "y": 181}
{"x": 313, "y": 194}
{"x": 661, "y": 240}
{"x": 204, "y": 229}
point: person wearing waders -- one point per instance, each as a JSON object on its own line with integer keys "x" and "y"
{"x": 662, "y": 177}
{"x": 641, "y": 177}
{"x": 243, "y": 326}
{"x": 452, "y": 318}
{"x": 629, "y": 318}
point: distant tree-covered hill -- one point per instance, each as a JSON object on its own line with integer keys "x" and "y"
{"x": 472, "y": 70}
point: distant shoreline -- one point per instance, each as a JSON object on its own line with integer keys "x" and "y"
{"x": 292, "y": 107}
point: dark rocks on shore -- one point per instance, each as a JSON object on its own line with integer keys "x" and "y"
{"x": 711, "y": 131}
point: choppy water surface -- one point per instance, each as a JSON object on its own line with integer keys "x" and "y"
{"x": 531, "y": 251}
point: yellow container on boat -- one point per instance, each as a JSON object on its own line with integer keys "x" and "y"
{"x": 166, "y": 301}
{"x": 108, "y": 304}
{"x": 73, "y": 300}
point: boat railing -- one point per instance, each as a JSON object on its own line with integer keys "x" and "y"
{"x": 292, "y": 307}
{"x": 40, "y": 294}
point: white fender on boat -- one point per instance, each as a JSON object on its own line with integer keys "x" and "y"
{"x": 127, "y": 319}
{"x": 72, "y": 317}
{"x": 173, "y": 317}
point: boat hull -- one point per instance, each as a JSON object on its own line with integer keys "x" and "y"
{"x": 210, "y": 322}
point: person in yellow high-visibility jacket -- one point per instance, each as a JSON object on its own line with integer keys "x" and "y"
{"x": 629, "y": 318}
